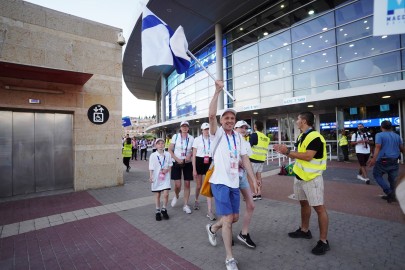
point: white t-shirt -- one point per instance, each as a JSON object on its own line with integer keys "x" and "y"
{"x": 361, "y": 147}
{"x": 182, "y": 148}
{"x": 156, "y": 166}
{"x": 203, "y": 146}
{"x": 223, "y": 172}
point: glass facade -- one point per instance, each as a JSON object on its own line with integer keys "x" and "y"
{"x": 292, "y": 48}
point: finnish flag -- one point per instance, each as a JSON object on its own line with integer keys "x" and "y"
{"x": 162, "y": 46}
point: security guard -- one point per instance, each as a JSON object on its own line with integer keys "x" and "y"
{"x": 344, "y": 145}
{"x": 260, "y": 145}
{"x": 127, "y": 152}
{"x": 310, "y": 162}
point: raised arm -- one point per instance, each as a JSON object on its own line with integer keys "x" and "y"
{"x": 212, "y": 112}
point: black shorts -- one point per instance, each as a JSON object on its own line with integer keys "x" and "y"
{"x": 362, "y": 158}
{"x": 187, "y": 171}
{"x": 200, "y": 166}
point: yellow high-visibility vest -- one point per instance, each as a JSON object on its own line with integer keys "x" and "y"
{"x": 167, "y": 143}
{"x": 127, "y": 150}
{"x": 308, "y": 170}
{"x": 260, "y": 150}
{"x": 343, "y": 140}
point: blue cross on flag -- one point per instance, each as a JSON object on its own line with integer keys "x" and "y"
{"x": 162, "y": 46}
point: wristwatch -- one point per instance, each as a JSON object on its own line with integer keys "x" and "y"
{"x": 288, "y": 152}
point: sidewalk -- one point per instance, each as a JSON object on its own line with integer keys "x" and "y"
{"x": 115, "y": 228}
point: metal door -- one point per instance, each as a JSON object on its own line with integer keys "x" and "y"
{"x": 36, "y": 152}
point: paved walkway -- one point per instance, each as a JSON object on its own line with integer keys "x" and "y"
{"x": 115, "y": 228}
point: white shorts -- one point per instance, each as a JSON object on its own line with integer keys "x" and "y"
{"x": 311, "y": 191}
{"x": 257, "y": 167}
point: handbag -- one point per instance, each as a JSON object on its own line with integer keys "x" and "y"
{"x": 206, "y": 185}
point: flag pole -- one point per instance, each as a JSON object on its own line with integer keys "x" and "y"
{"x": 209, "y": 73}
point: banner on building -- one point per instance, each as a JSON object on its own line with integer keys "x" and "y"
{"x": 126, "y": 121}
{"x": 389, "y": 17}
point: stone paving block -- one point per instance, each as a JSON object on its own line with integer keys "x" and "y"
{"x": 26, "y": 226}
{"x": 57, "y": 222}
{"x": 79, "y": 213}
{"x": 41, "y": 223}
{"x": 10, "y": 229}
{"x": 102, "y": 210}
{"x": 68, "y": 217}
{"x": 112, "y": 207}
{"x": 55, "y": 218}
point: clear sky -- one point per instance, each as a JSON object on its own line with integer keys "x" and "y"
{"x": 119, "y": 13}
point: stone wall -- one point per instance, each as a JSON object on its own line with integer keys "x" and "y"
{"x": 36, "y": 36}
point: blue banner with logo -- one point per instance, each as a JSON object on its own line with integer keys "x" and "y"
{"x": 126, "y": 121}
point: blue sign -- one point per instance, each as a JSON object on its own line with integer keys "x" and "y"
{"x": 374, "y": 122}
{"x": 126, "y": 121}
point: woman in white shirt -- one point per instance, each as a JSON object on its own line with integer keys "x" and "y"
{"x": 180, "y": 150}
{"x": 201, "y": 163}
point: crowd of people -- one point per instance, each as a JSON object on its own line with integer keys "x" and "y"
{"x": 238, "y": 161}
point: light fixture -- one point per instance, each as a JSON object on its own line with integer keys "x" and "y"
{"x": 30, "y": 89}
{"x": 265, "y": 33}
{"x": 197, "y": 121}
{"x": 255, "y": 113}
{"x": 310, "y": 106}
{"x": 385, "y": 96}
{"x": 241, "y": 29}
{"x": 282, "y": 6}
{"x": 311, "y": 12}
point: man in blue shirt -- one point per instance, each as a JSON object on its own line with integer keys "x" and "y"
{"x": 388, "y": 147}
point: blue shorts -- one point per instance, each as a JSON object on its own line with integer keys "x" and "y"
{"x": 243, "y": 181}
{"x": 227, "y": 200}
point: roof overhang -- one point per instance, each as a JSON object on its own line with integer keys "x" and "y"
{"x": 26, "y": 72}
{"x": 198, "y": 19}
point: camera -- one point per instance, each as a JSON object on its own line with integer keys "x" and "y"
{"x": 121, "y": 39}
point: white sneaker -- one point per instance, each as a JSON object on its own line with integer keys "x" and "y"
{"x": 187, "y": 209}
{"x": 231, "y": 264}
{"x": 361, "y": 178}
{"x": 212, "y": 237}
{"x": 174, "y": 201}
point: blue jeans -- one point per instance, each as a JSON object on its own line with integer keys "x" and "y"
{"x": 390, "y": 167}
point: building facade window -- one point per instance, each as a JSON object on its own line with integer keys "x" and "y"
{"x": 292, "y": 48}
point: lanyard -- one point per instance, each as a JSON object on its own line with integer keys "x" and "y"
{"x": 181, "y": 139}
{"x": 209, "y": 145}
{"x": 234, "y": 143}
{"x": 162, "y": 164}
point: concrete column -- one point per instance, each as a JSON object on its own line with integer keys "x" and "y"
{"x": 219, "y": 61}
{"x": 163, "y": 97}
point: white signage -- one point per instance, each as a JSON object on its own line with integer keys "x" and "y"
{"x": 294, "y": 100}
{"x": 250, "y": 107}
{"x": 389, "y": 17}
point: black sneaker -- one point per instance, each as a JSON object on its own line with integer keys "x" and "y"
{"x": 165, "y": 215}
{"x": 246, "y": 240}
{"x": 158, "y": 216}
{"x": 259, "y": 197}
{"x": 300, "y": 234}
{"x": 321, "y": 248}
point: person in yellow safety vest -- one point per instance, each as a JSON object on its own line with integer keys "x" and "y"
{"x": 167, "y": 142}
{"x": 344, "y": 145}
{"x": 127, "y": 152}
{"x": 310, "y": 162}
{"x": 260, "y": 145}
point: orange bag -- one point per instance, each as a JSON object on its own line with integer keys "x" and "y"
{"x": 206, "y": 186}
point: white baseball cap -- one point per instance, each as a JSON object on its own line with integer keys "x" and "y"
{"x": 158, "y": 140}
{"x": 205, "y": 126}
{"x": 228, "y": 110}
{"x": 184, "y": 123}
{"x": 241, "y": 123}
